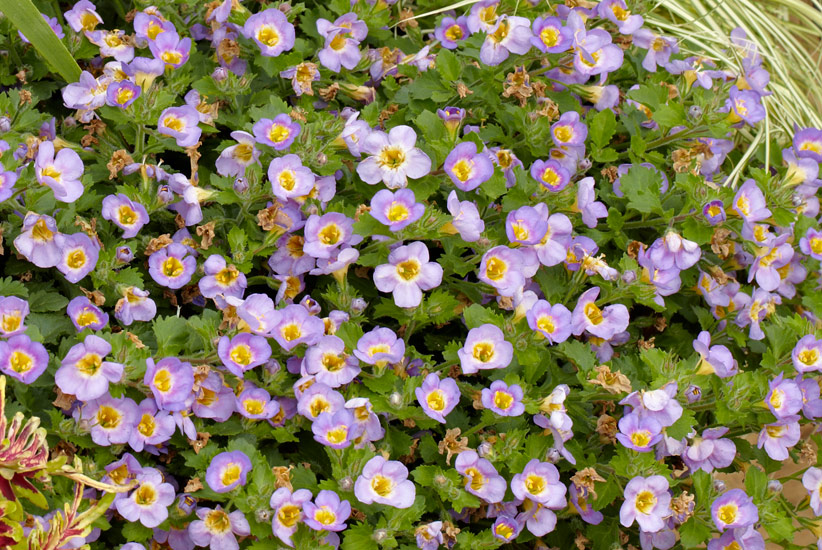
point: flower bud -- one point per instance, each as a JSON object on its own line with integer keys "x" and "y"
{"x": 263, "y": 515}
{"x": 584, "y": 165}
{"x": 5, "y": 124}
{"x": 358, "y": 305}
{"x": 719, "y": 486}
{"x": 695, "y": 111}
{"x": 774, "y": 486}
{"x": 380, "y": 535}
{"x": 124, "y": 254}
{"x": 240, "y": 185}
{"x": 164, "y": 194}
{"x": 272, "y": 367}
{"x": 346, "y": 483}
{"x": 395, "y": 399}
{"x": 629, "y": 277}
{"x": 322, "y": 159}
{"x": 485, "y": 449}
{"x": 553, "y": 455}
{"x": 69, "y": 122}
{"x": 693, "y": 393}
{"x": 219, "y": 74}
{"x": 440, "y": 481}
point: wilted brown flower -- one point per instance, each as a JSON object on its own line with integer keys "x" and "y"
{"x": 158, "y": 243}
{"x": 587, "y": 478}
{"x": 452, "y": 444}
{"x": 606, "y": 428}
{"x": 282, "y": 476}
{"x": 518, "y": 85}
{"x": 206, "y": 231}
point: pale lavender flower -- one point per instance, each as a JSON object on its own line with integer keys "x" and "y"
{"x": 271, "y": 31}
{"x": 481, "y": 478}
{"x": 466, "y": 218}
{"x": 181, "y": 123}
{"x": 379, "y": 347}
{"x": 467, "y": 168}
{"x": 170, "y": 381}
{"x": 407, "y": 273}
{"x": 334, "y": 429}
{"x": 734, "y": 509}
{"x": 172, "y": 266}
{"x": 807, "y": 354}
{"x": 648, "y": 502}
{"x": 503, "y": 399}
{"x": 539, "y": 482}
{"x": 385, "y": 482}
{"x": 13, "y": 313}
{"x": 288, "y": 512}
{"x": 171, "y": 49}
{"x": 23, "y": 359}
{"x": 396, "y": 210}
{"x": 111, "y": 419}
{"x": 83, "y": 17}
{"x": 708, "y": 451}
{"x": 228, "y": 470}
{"x": 510, "y": 34}
{"x": 550, "y": 321}
{"x": 451, "y": 31}
{"x": 83, "y": 372}
{"x": 778, "y": 437}
{"x": 61, "y": 172}
{"x": 329, "y": 363}
{"x": 587, "y": 204}
{"x": 279, "y": 132}
{"x": 324, "y": 234}
{"x": 126, "y": 214}
{"x": 639, "y": 433}
{"x": 149, "y": 502}
{"x": 154, "y": 427}
{"x": 602, "y": 323}
{"x": 297, "y": 326}
{"x": 218, "y": 529}
{"x": 327, "y": 512}
{"x": 135, "y": 305}
{"x": 485, "y": 348}
{"x": 437, "y": 397}
{"x": 393, "y": 158}
{"x": 243, "y": 352}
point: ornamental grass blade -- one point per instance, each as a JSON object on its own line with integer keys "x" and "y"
{"x": 28, "y": 20}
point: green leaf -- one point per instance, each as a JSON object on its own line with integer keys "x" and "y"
{"x": 448, "y": 65}
{"x": 430, "y": 126}
{"x": 641, "y": 187}
{"x": 756, "y": 482}
{"x": 359, "y": 537}
{"x": 682, "y": 427}
{"x": 694, "y": 533}
{"x": 47, "y": 301}
{"x": 28, "y": 20}
{"x": 601, "y": 128}
{"x": 695, "y": 231}
{"x": 10, "y": 287}
{"x": 172, "y": 335}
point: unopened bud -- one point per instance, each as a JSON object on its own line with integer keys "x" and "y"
{"x": 240, "y": 185}
{"x": 584, "y": 165}
{"x": 346, "y": 483}
{"x": 219, "y": 74}
{"x": 629, "y": 277}
{"x": 719, "y": 486}
{"x": 5, "y": 124}
{"x": 380, "y": 535}
{"x": 395, "y": 399}
{"x": 485, "y": 449}
{"x": 124, "y": 254}
{"x": 263, "y": 515}
{"x": 358, "y": 305}
{"x": 553, "y": 455}
{"x": 774, "y": 486}
{"x": 695, "y": 111}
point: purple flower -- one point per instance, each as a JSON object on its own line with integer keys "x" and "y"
{"x": 37, "y": 241}
{"x": 734, "y": 509}
{"x": 279, "y": 132}
{"x": 527, "y": 224}
{"x": 648, "y": 502}
{"x": 153, "y": 427}
{"x": 467, "y": 168}
{"x": 616, "y": 11}
{"x": 407, "y": 273}
{"x": 329, "y": 363}
{"x": 7, "y": 180}
{"x": 550, "y": 174}
{"x": 171, "y": 382}
{"x": 673, "y": 251}
{"x": 297, "y": 326}
{"x": 172, "y": 266}
{"x": 429, "y": 536}
{"x": 83, "y": 17}
{"x": 327, "y": 512}
{"x": 84, "y": 374}
{"x": 808, "y": 144}
{"x": 271, "y": 31}
{"x": 111, "y": 419}
{"x": 23, "y": 359}
{"x": 714, "y": 359}
{"x": 811, "y": 244}
{"x": 171, "y": 49}
{"x": 218, "y": 529}
{"x": 144, "y": 70}
{"x": 324, "y": 234}
{"x": 289, "y": 178}
{"x": 334, "y": 429}
{"x": 393, "y": 158}
{"x": 550, "y": 36}
{"x": 750, "y": 204}
{"x": 78, "y": 255}
{"x": 506, "y": 528}
{"x": 639, "y": 433}
{"x": 485, "y": 348}
{"x": 481, "y": 478}
{"x": 539, "y": 482}
{"x": 126, "y": 214}
{"x": 288, "y": 512}
{"x": 502, "y": 268}
{"x": 437, "y": 397}
{"x": 256, "y": 404}
{"x": 807, "y": 354}
{"x": 708, "y": 452}
{"x": 579, "y": 499}
{"x": 135, "y": 305}
{"x": 467, "y": 220}
{"x": 227, "y": 470}
{"x": 181, "y": 123}
{"x": 603, "y": 323}
{"x": 509, "y": 35}
{"x": 341, "y": 45}
{"x": 302, "y": 75}
{"x": 212, "y": 400}
{"x": 84, "y": 314}
{"x": 661, "y": 404}
{"x": 744, "y": 106}
{"x": 234, "y": 159}
{"x": 551, "y": 322}
{"x": 366, "y": 422}
{"x": 659, "y": 48}
{"x": 784, "y": 398}
{"x": 61, "y": 172}
{"x": 385, "y": 482}
{"x": 587, "y": 204}
{"x": 243, "y": 352}
{"x": 396, "y": 210}
{"x": 149, "y": 502}
{"x": 502, "y": 399}
{"x": 450, "y": 31}
{"x": 221, "y": 279}
{"x": 122, "y": 94}
{"x": 812, "y": 481}
{"x": 778, "y": 437}
{"x": 13, "y": 313}
{"x": 380, "y": 346}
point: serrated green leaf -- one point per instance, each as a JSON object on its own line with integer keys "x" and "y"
{"x": 641, "y": 186}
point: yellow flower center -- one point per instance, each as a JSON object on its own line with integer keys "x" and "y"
{"x": 330, "y": 234}
{"x": 40, "y": 231}
{"x": 226, "y": 276}
{"x": 241, "y": 354}
{"x": 338, "y": 42}
{"x": 453, "y": 33}
{"x": 549, "y": 36}
{"x": 172, "y": 267}
{"x": 463, "y": 169}
{"x": 808, "y": 356}
{"x": 108, "y": 417}
{"x": 89, "y": 364}
{"x": 324, "y": 516}
{"x": 816, "y": 245}
{"x": 382, "y": 485}
{"x": 504, "y": 158}
{"x": 546, "y": 324}
{"x": 21, "y": 362}
{"x": 436, "y": 400}
{"x": 76, "y": 258}
{"x": 127, "y": 215}
{"x": 171, "y": 57}
{"x": 563, "y": 133}
{"x": 207, "y": 397}
{"x": 333, "y": 362}
{"x": 124, "y": 95}
{"x": 379, "y": 348}
{"x": 337, "y": 435}
{"x": 714, "y": 210}
{"x": 173, "y": 123}
{"x": 231, "y": 474}
{"x": 535, "y": 484}
{"x": 145, "y": 495}
{"x": 504, "y": 530}
{"x": 397, "y": 212}
{"x": 278, "y": 133}
{"x": 318, "y": 406}
{"x": 391, "y": 157}
{"x": 727, "y": 513}
{"x": 503, "y": 400}
{"x": 88, "y": 21}
{"x": 483, "y": 351}
{"x": 496, "y": 268}
{"x": 550, "y": 177}
{"x": 147, "y": 425}
{"x": 268, "y": 35}
{"x": 408, "y": 270}
{"x": 11, "y": 322}
{"x": 162, "y": 380}
{"x": 593, "y": 313}
{"x": 474, "y": 478}
{"x": 253, "y": 406}
{"x": 244, "y": 152}
{"x": 814, "y": 146}
{"x": 620, "y": 12}
{"x": 289, "y": 515}
{"x": 641, "y": 438}
{"x": 645, "y": 502}
{"x": 86, "y": 318}
{"x": 291, "y": 332}
{"x": 217, "y": 522}
{"x": 776, "y": 399}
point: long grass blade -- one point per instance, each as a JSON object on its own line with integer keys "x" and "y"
{"x": 28, "y": 20}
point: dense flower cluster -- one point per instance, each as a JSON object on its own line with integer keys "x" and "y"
{"x": 313, "y": 276}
